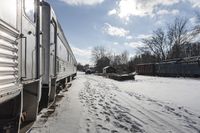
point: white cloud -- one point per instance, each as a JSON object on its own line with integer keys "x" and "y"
{"x": 116, "y": 43}
{"x": 129, "y": 37}
{"x": 162, "y": 12}
{"x": 112, "y": 12}
{"x": 82, "y": 55}
{"x": 193, "y": 20}
{"x": 115, "y": 31}
{"x": 160, "y": 22}
{"x": 127, "y": 8}
{"x": 167, "y": 12}
{"x": 196, "y": 39}
{"x": 195, "y": 3}
{"x": 82, "y": 52}
{"x": 142, "y": 36}
{"x": 83, "y": 2}
{"x": 134, "y": 44}
{"x": 175, "y": 12}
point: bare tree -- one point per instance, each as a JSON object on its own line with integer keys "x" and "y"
{"x": 98, "y": 52}
{"x": 178, "y": 35}
{"x": 117, "y": 60}
{"x": 170, "y": 43}
{"x": 124, "y": 57}
{"x": 156, "y": 44}
{"x": 101, "y": 63}
{"x": 80, "y": 67}
{"x": 120, "y": 58}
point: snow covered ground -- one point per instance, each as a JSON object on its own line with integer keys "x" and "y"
{"x": 95, "y": 104}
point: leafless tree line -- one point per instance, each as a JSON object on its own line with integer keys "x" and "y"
{"x": 99, "y": 52}
{"x": 173, "y": 42}
{"x": 102, "y": 58}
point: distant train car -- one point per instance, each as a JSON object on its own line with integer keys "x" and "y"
{"x": 186, "y": 67}
{"x": 35, "y": 62}
{"x": 167, "y": 69}
{"x": 190, "y": 67}
{"x": 145, "y": 69}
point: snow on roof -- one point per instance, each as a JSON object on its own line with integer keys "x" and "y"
{"x": 107, "y": 67}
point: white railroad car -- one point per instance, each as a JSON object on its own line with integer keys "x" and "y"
{"x": 59, "y": 63}
{"x": 35, "y": 62}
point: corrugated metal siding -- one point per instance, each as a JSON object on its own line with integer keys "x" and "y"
{"x": 8, "y": 63}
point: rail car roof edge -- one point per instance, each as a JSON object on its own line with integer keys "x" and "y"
{"x": 64, "y": 36}
{"x": 60, "y": 27}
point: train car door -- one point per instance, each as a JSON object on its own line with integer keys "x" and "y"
{"x": 29, "y": 40}
{"x": 53, "y": 36}
{"x": 30, "y": 62}
{"x": 52, "y": 67}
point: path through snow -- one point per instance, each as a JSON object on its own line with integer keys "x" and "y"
{"x": 95, "y": 104}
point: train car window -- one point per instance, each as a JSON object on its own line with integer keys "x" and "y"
{"x": 68, "y": 57}
{"x": 61, "y": 50}
{"x": 29, "y": 7}
{"x": 52, "y": 35}
{"x": 8, "y": 12}
{"x": 67, "y": 54}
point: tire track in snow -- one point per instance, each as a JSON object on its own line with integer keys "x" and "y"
{"x": 189, "y": 120}
{"x": 151, "y": 117}
{"x": 106, "y": 104}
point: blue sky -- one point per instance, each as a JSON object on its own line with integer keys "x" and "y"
{"x": 117, "y": 25}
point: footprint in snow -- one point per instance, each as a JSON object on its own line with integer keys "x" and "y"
{"x": 114, "y": 131}
{"x": 101, "y": 129}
